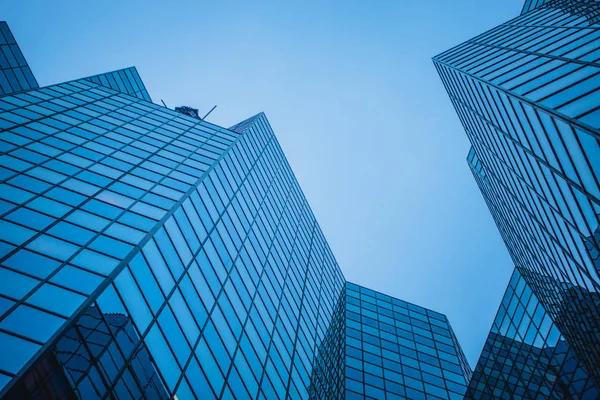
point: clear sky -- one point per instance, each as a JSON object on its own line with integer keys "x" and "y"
{"x": 352, "y": 94}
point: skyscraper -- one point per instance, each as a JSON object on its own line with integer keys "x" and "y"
{"x": 389, "y": 349}
{"x": 527, "y": 93}
{"x": 147, "y": 253}
{"x": 526, "y": 356}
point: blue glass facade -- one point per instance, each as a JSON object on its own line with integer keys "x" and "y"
{"x": 527, "y": 94}
{"x": 526, "y": 356}
{"x": 380, "y": 347}
{"x": 84, "y": 354}
{"x": 15, "y": 74}
{"x": 146, "y": 253}
{"x": 125, "y": 81}
{"x": 575, "y": 5}
{"x": 533, "y": 4}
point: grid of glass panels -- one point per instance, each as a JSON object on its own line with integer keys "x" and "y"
{"x": 85, "y": 355}
{"x": 250, "y": 303}
{"x": 397, "y": 350}
{"x": 582, "y": 6}
{"x": 87, "y": 175}
{"x": 533, "y": 4}
{"x": 199, "y": 235}
{"x": 527, "y": 96}
{"x": 147, "y": 254}
{"x": 526, "y": 356}
{"x": 125, "y": 80}
{"x": 15, "y": 74}
{"x": 546, "y": 164}
{"x": 328, "y": 378}
{"x": 574, "y": 309}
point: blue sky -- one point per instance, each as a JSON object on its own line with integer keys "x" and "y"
{"x": 352, "y": 94}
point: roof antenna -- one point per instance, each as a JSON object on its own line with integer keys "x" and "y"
{"x": 211, "y": 110}
{"x": 164, "y": 103}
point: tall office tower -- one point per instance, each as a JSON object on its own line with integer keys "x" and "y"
{"x": 527, "y": 93}
{"x": 147, "y": 253}
{"x": 389, "y": 349}
{"x": 526, "y": 355}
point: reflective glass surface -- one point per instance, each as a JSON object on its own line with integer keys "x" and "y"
{"x": 198, "y": 234}
{"x": 126, "y": 80}
{"x": 526, "y": 355}
{"x": 527, "y": 94}
{"x": 388, "y": 349}
{"x": 148, "y": 254}
{"x": 15, "y": 74}
{"x": 533, "y": 4}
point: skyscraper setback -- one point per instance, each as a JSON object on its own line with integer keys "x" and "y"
{"x": 147, "y": 253}
{"x": 527, "y": 93}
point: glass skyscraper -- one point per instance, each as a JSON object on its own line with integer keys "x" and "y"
{"x": 528, "y": 95}
{"x": 147, "y": 253}
{"x": 526, "y": 356}
{"x": 386, "y": 348}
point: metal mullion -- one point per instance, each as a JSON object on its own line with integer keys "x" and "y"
{"x": 583, "y": 127}
{"x": 177, "y": 283}
{"x": 505, "y": 228}
{"x": 60, "y": 150}
{"x": 126, "y": 360}
{"x": 81, "y": 169}
{"x": 565, "y": 88}
{"x": 517, "y": 173}
{"x": 76, "y": 333}
{"x": 570, "y": 186}
{"x": 532, "y": 233}
{"x": 552, "y": 192}
{"x": 506, "y": 35}
{"x": 529, "y": 35}
{"x": 94, "y": 361}
{"x": 63, "y": 218}
{"x": 585, "y": 157}
{"x": 114, "y": 180}
{"x": 534, "y": 208}
{"x": 320, "y": 253}
{"x": 301, "y": 307}
{"x": 256, "y": 293}
{"x": 554, "y": 38}
{"x": 486, "y": 104}
{"x": 266, "y": 262}
{"x": 496, "y": 180}
{"x": 531, "y": 67}
{"x": 107, "y": 279}
{"x": 553, "y": 14}
{"x": 22, "y": 337}
{"x": 528, "y": 151}
{"x": 581, "y": 26}
{"x": 91, "y": 86}
{"x": 573, "y": 36}
{"x": 558, "y": 34}
{"x": 263, "y": 374}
